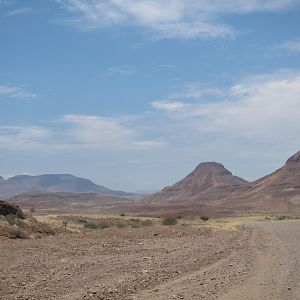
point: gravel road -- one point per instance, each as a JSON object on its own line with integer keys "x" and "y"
{"x": 276, "y": 272}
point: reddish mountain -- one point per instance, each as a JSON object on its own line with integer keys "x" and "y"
{"x": 211, "y": 189}
{"x": 278, "y": 192}
{"x": 209, "y": 181}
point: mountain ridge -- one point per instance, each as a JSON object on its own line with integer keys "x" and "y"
{"x": 20, "y": 184}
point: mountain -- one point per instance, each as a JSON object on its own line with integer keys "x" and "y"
{"x": 53, "y": 183}
{"x": 209, "y": 180}
{"x": 278, "y": 192}
{"x": 212, "y": 190}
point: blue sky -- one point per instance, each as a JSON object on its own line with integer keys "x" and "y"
{"x": 133, "y": 94}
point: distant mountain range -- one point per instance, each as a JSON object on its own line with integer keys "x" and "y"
{"x": 53, "y": 183}
{"x": 210, "y": 189}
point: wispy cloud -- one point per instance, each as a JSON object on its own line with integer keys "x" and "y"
{"x": 77, "y": 133}
{"x": 292, "y": 46}
{"x": 16, "y": 92}
{"x": 3, "y": 2}
{"x": 168, "y": 105}
{"x": 24, "y": 137}
{"x": 167, "y": 19}
{"x": 123, "y": 70}
{"x": 19, "y": 12}
{"x": 258, "y": 108}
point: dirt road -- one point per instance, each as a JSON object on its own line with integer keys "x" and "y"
{"x": 155, "y": 263}
{"x": 277, "y": 267}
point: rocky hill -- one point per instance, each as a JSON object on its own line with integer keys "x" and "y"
{"x": 209, "y": 180}
{"x": 278, "y": 192}
{"x": 53, "y": 183}
{"x": 212, "y": 190}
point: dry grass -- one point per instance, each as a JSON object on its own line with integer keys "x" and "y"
{"x": 227, "y": 223}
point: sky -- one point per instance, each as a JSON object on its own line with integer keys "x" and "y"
{"x": 134, "y": 94}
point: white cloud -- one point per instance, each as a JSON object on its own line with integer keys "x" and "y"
{"x": 97, "y": 132}
{"x": 77, "y": 133}
{"x": 123, "y": 70}
{"x": 168, "y": 105}
{"x": 292, "y": 46}
{"x": 15, "y": 92}
{"x": 167, "y": 19}
{"x": 24, "y": 137}
{"x": 150, "y": 144}
{"x": 19, "y": 12}
{"x": 258, "y": 108}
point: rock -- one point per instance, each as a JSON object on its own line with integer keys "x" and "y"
{"x": 7, "y": 208}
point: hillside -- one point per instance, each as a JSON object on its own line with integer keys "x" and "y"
{"x": 208, "y": 181}
{"x": 278, "y": 192}
{"x": 212, "y": 190}
{"x": 53, "y": 183}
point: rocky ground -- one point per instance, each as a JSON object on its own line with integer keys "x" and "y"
{"x": 156, "y": 262}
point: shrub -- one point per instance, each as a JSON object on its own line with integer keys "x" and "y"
{"x": 168, "y": 221}
{"x": 122, "y": 215}
{"x": 12, "y": 219}
{"x": 147, "y": 223}
{"x": 93, "y": 225}
{"x": 204, "y": 218}
{"x": 135, "y": 220}
{"x": 281, "y": 217}
{"x": 17, "y": 233}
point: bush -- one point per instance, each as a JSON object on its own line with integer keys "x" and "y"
{"x": 135, "y": 220}
{"x": 93, "y": 225}
{"x": 281, "y": 217}
{"x": 122, "y": 215}
{"x": 12, "y": 219}
{"x": 147, "y": 223}
{"x": 168, "y": 221}
{"x": 204, "y": 218}
{"x": 17, "y": 233}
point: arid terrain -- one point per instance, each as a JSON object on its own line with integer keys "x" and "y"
{"x": 210, "y": 189}
{"x": 228, "y": 258}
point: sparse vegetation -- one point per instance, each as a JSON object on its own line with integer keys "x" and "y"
{"x": 204, "y": 218}
{"x": 13, "y": 227}
{"x": 169, "y": 221}
{"x": 147, "y": 223}
{"x": 94, "y": 225}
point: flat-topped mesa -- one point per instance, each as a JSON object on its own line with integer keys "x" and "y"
{"x": 206, "y": 176}
{"x": 210, "y": 168}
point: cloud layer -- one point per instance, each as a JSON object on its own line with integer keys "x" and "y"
{"x": 167, "y": 19}
{"x": 261, "y": 109}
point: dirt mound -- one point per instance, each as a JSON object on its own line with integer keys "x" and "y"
{"x": 10, "y": 209}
